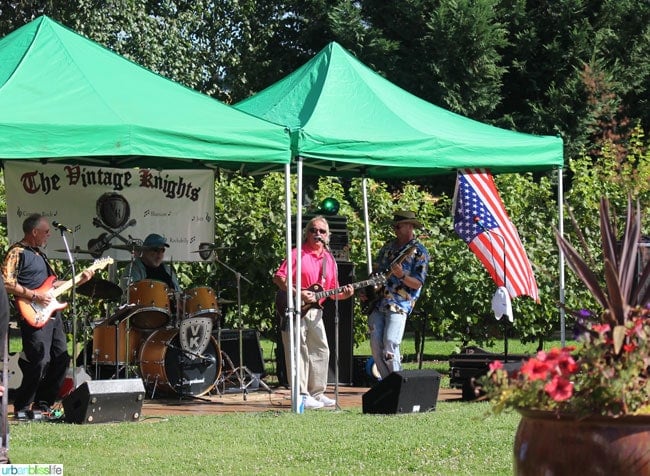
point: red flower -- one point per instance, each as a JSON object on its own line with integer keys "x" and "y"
{"x": 559, "y": 388}
{"x": 535, "y": 369}
{"x": 629, "y": 347}
{"x": 495, "y": 365}
{"x": 601, "y": 328}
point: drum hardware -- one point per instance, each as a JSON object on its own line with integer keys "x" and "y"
{"x": 225, "y": 301}
{"x": 243, "y": 372}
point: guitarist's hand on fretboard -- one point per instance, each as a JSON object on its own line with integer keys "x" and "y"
{"x": 307, "y": 296}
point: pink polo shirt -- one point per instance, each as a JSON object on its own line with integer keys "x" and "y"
{"x": 312, "y": 269}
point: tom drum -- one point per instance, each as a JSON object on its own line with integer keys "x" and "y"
{"x": 201, "y": 302}
{"x": 110, "y": 344}
{"x": 152, "y": 299}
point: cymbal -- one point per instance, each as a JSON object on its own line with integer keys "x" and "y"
{"x": 78, "y": 250}
{"x": 124, "y": 311}
{"x": 131, "y": 247}
{"x": 100, "y": 289}
{"x": 210, "y": 246}
{"x": 225, "y": 301}
{"x": 205, "y": 250}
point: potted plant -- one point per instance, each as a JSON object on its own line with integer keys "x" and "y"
{"x": 588, "y": 406}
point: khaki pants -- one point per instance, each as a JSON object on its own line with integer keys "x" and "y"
{"x": 314, "y": 353}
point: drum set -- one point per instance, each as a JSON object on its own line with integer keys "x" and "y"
{"x": 163, "y": 336}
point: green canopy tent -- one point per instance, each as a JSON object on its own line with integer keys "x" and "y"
{"x": 347, "y": 120}
{"x": 66, "y": 98}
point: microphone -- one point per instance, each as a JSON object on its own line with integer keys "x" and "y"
{"x": 61, "y": 227}
{"x": 479, "y": 222}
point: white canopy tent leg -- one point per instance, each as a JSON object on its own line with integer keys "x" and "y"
{"x": 560, "y": 227}
{"x": 290, "y": 312}
{"x": 295, "y": 377}
{"x": 366, "y": 222}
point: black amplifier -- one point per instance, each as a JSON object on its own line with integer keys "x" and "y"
{"x": 472, "y": 363}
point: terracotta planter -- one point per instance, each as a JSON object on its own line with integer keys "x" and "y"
{"x": 548, "y": 445}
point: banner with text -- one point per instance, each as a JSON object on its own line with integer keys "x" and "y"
{"x": 109, "y": 209}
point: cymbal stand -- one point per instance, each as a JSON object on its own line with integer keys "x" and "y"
{"x": 127, "y": 327}
{"x": 242, "y": 369}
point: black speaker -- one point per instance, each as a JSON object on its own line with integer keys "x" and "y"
{"x": 346, "y": 329}
{"x": 251, "y": 349}
{"x": 407, "y": 391}
{"x": 103, "y": 401}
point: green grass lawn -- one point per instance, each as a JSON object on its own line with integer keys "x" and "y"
{"x": 458, "y": 438}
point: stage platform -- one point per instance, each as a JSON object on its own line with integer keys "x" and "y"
{"x": 278, "y": 399}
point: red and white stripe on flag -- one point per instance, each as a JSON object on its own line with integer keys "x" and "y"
{"x": 481, "y": 220}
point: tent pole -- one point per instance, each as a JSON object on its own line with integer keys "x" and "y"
{"x": 366, "y": 221}
{"x": 560, "y": 201}
{"x": 290, "y": 304}
{"x": 295, "y": 387}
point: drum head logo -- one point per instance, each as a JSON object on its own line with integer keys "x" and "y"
{"x": 195, "y": 334}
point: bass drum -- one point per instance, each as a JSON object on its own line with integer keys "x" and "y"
{"x": 166, "y": 367}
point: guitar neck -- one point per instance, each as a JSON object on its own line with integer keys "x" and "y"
{"x": 98, "y": 264}
{"x": 66, "y": 286}
{"x": 361, "y": 284}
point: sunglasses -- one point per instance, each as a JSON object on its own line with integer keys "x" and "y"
{"x": 322, "y": 231}
{"x": 158, "y": 250}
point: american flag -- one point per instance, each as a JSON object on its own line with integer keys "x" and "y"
{"x": 481, "y": 220}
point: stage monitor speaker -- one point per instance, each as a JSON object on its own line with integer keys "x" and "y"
{"x": 251, "y": 349}
{"x": 406, "y": 391}
{"x": 104, "y": 401}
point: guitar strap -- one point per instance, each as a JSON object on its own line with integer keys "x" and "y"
{"x": 323, "y": 273}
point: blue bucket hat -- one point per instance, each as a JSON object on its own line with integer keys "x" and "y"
{"x": 154, "y": 241}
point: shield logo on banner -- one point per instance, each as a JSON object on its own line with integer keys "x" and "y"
{"x": 195, "y": 334}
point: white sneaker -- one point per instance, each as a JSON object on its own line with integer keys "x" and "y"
{"x": 310, "y": 402}
{"x": 325, "y": 400}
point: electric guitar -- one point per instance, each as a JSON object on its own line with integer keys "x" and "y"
{"x": 375, "y": 293}
{"x": 14, "y": 373}
{"x": 320, "y": 293}
{"x": 37, "y": 314}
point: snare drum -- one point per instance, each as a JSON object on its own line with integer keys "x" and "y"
{"x": 109, "y": 344}
{"x": 152, "y": 297}
{"x": 200, "y": 302}
{"x": 165, "y": 366}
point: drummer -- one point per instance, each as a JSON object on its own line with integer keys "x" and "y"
{"x": 149, "y": 264}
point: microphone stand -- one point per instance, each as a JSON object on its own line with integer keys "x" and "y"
{"x": 336, "y": 333}
{"x": 74, "y": 303}
{"x": 242, "y": 368}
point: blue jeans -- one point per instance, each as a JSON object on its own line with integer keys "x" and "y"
{"x": 386, "y": 332}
